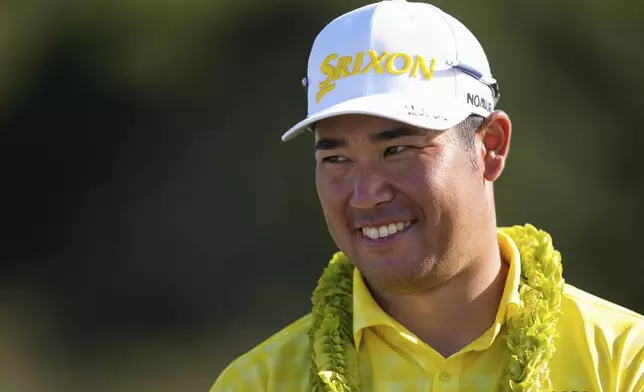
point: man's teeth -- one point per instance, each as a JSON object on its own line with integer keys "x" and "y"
{"x": 384, "y": 230}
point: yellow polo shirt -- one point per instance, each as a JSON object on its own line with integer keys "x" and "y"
{"x": 600, "y": 348}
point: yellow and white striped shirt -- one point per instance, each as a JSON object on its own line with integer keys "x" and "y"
{"x": 600, "y": 348}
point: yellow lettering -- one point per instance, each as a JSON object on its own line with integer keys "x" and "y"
{"x": 420, "y": 63}
{"x": 375, "y": 62}
{"x": 323, "y": 91}
{"x": 391, "y": 67}
{"x": 356, "y": 66}
{"x": 342, "y": 69}
{"x": 329, "y": 70}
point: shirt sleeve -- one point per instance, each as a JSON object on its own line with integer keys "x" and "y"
{"x": 246, "y": 374}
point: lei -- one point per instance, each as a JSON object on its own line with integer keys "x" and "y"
{"x": 531, "y": 330}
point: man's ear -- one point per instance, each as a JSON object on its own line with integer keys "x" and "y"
{"x": 495, "y": 133}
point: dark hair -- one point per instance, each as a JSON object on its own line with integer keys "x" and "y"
{"x": 465, "y": 132}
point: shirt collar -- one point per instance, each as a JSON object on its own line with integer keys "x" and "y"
{"x": 367, "y": 313}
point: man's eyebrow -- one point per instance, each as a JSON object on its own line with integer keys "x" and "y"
{"x": 397, "y": 133}
{"x": 329, "y": 144}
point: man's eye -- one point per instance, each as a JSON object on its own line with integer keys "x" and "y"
{"x": 335, "y": 159}
{"x": 393, "y": 150}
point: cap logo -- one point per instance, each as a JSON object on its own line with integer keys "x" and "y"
{"x": 477, "y": 101}
{"x": 382, "y": 63}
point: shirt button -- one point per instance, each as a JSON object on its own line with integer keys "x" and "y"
{"x": 445, "y": 376}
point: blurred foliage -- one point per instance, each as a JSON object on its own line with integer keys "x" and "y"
{"x": 147, "y": 194}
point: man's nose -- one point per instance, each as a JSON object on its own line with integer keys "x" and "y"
{"x": 370, "y": 189}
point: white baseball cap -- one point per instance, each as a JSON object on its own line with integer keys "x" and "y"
{"x": 405, "y": 61}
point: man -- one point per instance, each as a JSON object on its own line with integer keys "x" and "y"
{"x": 427, "y": 293}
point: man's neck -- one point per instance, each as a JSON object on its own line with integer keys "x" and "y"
{"x": 455, "y": 313}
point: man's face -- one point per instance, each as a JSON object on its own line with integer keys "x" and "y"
{"x": 397, "y": 200}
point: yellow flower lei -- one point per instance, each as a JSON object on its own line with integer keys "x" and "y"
{"x": 531, "y": 330}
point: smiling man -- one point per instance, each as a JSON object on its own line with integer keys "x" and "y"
{"x": 426, "y": 292}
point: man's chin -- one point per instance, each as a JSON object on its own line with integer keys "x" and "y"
{"x": 385, "y": 274}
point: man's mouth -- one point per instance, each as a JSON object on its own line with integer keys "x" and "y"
{"x": 385, "y": 230}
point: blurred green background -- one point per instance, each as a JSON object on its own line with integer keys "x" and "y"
{"x": 155, "y": 226}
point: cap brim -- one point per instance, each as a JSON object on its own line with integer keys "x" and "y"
{"x": 416, "y": 113}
